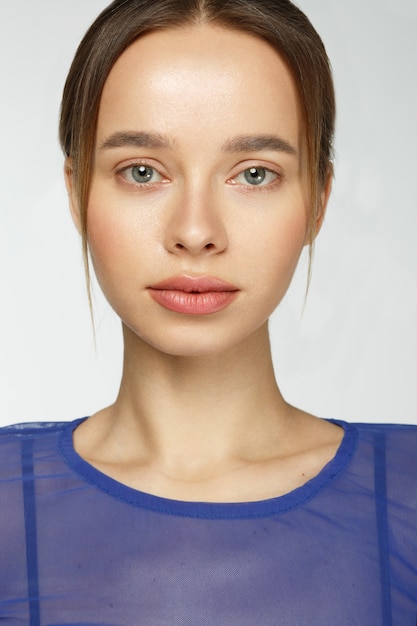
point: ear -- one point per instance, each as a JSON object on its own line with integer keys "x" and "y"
{"x": 324, "y": 200}
{"x": 72, "y": 196}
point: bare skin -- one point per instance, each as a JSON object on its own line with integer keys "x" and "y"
{"x": 197, "y": 434}
{"x": 199, "y": 416}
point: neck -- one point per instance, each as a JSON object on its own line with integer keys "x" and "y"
{"x": 220, "y": 405}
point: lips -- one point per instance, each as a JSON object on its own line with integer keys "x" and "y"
{"x": 193, "y": 295}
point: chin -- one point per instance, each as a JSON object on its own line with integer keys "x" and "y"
{"x": 205, "y": 348}
{"x": 185, "y": 341}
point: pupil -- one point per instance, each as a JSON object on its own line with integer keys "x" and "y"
{"x": 255, "y": 175}
{"x": 142, "y": 174}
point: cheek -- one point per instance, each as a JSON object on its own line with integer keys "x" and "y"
{"x": 273, "y": 254}
{"x": 278, "y": 243}
{"x": 120, "y": 231}
{"x": 288, "y": 243}
{"x": 104, "y": 239}
{"x": 112, "y": 244}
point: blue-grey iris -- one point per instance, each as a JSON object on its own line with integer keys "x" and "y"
{"x": 142, "y": 174}
{"x": 255, "y": 175}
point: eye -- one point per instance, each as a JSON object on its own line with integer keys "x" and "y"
{"x": 141, "y": 174}
{"x": 256, "y": 176}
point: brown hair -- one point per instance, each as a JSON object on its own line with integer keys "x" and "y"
{"x": 279, "y": 22}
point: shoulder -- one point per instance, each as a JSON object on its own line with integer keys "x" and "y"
{"x": 393, "y": 438}
{"x": 393, "y": 441}
{"x": 390, "y": 440}
{"x": 29, "y": 429}
{"x": 393, "y": 435}
{"x": 384, "y": 452}
{"x": 16, "y": 440}
{"x": 392, "y": 451}
{"x": 16, "y": 434}
{"x": 34, "y": 430}
{"x": 388, "y": 429}
{"x": 395, "y": 483}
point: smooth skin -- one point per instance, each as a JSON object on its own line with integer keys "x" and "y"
{"x": 199, "y": 170}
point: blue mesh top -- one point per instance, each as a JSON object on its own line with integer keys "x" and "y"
{"x": 79, "y": 548}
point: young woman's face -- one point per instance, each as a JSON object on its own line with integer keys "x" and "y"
{"x": 198, "y": 209}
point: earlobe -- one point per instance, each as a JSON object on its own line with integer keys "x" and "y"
{"x": 72, "y": 196}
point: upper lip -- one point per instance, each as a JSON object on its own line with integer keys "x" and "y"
{"x": 194, "y": 284}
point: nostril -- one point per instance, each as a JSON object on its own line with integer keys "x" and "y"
{"x": 208, "y": 247}
{"x": 194, "y": 246}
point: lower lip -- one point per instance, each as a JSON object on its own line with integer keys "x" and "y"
{"x": 193, "y": 303}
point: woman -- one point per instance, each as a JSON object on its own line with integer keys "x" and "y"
{"x": 198, "y": 142}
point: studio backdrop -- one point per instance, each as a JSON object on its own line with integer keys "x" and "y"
{"x": 349, "y": 352}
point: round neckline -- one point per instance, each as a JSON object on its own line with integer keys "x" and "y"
{"x": 209, "y": 510}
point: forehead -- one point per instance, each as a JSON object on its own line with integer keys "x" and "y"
{"x": 225, "y": 80}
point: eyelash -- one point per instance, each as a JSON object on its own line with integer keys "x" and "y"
{"x": 126, "y": 170}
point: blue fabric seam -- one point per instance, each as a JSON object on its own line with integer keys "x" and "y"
{"x": 382, "y": 525}
{"x": 27, "y": 429}
{"x": 29, "y": 502}
{"x": 344, "y": 457}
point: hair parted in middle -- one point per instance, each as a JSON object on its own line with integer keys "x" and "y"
{"x": 279, "y": 22}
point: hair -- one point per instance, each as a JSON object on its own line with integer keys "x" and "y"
{"x": 279, "y": 22}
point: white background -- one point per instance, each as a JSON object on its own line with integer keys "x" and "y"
{"x": 350, "y": 355}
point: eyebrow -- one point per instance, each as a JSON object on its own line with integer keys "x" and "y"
{"x": 241, "y": 143}
{"x": 253, "y": 143}
{"x": 135, "y": 139}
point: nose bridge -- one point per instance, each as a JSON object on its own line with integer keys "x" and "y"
{"x": 196, "y": 224}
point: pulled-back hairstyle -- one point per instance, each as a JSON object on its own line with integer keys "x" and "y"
{"x": 278, "y": 22}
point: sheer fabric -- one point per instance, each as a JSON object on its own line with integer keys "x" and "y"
{"x": 80, "y": 549}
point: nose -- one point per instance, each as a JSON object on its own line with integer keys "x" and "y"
{"x": 196, "y": 225}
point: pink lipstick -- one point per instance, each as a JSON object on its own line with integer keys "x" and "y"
{"x": 193, "y": 295}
